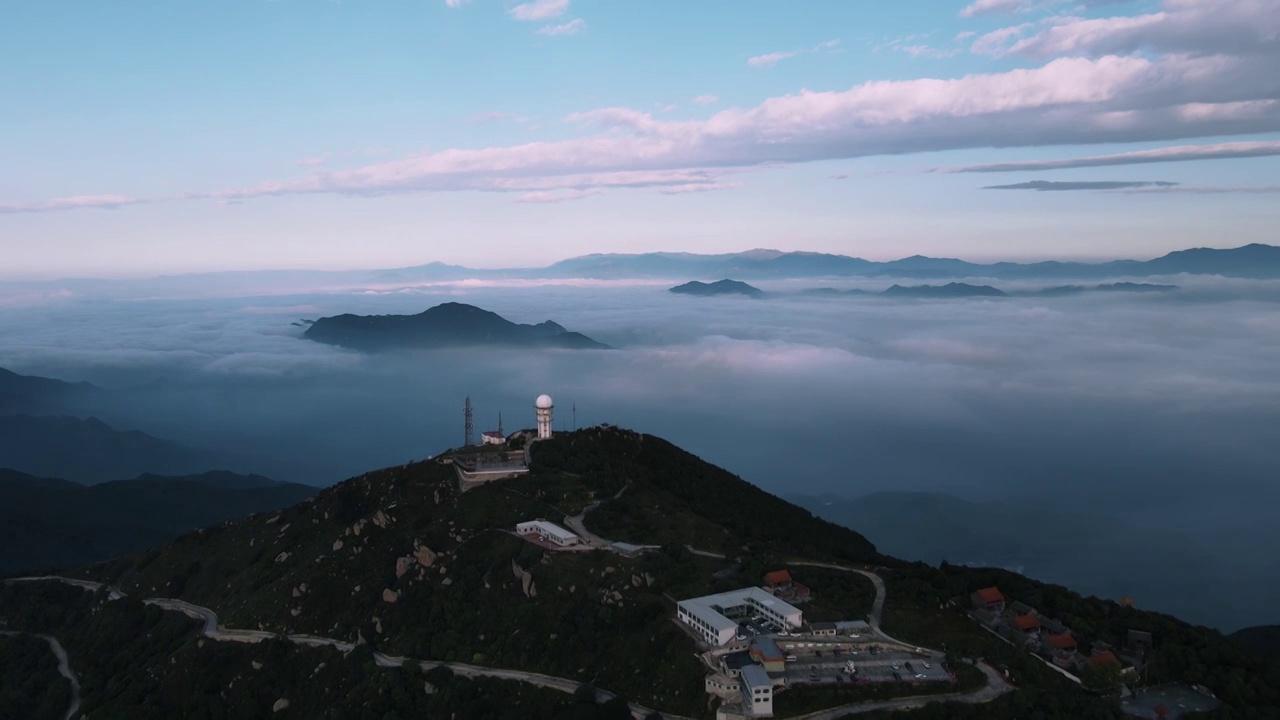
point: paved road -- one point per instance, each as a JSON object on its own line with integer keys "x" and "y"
{"x": 577, "y": 522}
{"x": 64, "y": 669}
{"x": 877, "y": 607}
{"x": 215, "y": 631}
{"x": 995, "y": 687}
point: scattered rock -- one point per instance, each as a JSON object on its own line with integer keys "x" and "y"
{"x": 281, "y": 704}
{"x": 377, "y": 626}
{"x": 636, "y": 581}
{"x": 428, "y": 688}
{"x": 437, "y": 497}
{"x": 447, "y": 582}
{"x": 303, "y": 587}
{"x": 256, "y": 665}
{"x": 648, "y": 579}
{"x": 610, "y": 570}
{"x": 282, "y": 557}
{"x": 295, "y": 612}
{"x": 424, "y": 555}
{"x": 251, "y": 541}
{"x": 285, "y": 527}
{"x": 389, "y": 595}
{"x": 380, "y": 519}
{"x": 402, "y": 566}
{"x": 272, "y": 520}
{"x": 355, "y": 529}
{"x": 337, "y": 545}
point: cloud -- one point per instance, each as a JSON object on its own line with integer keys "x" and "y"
{"x": 539, "y": 10}
{"x": 1179, "y": 153}
{"x": 1066, "y": 101}
{"x": 573, "y": 27}
{"x": 320, "y": 159}
{"x": 455, "y": 3}
{"x": 1202, "y": 27}
{"x": 1052, "y": 186}
{"x": 771, "y": 59}
{"x": 705, "y": 100}
{"x": 1207, "y": 190}
{"x": 75, "y": 202}
{"x": 1005, "y": 7}
{"x": 557, "y": 196}
{"x": 495, "y": 116}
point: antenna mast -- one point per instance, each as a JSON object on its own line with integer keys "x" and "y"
{"x": 500, "y": 432}
{"x": 575, "y": 417}
{"x": 470, "y": 429}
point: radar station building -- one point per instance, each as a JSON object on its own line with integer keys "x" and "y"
{"x": 715, "y": 617}
{"x": 543, "y": 406}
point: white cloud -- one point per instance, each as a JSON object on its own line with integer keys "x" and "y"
{"x": 705, "y": 100}
{"x": 454, "y": 3}
{"x": 312, "y": 160}
{"x": 1178, "y": 153}
{"x": 771, "y": 59}
{"x": 101, "y": 202}
{"x": 1234, "y": 27}
{"x": 557, "y": 196}
{"x": 573, "y": 27}
{"x": 539, "y": 10}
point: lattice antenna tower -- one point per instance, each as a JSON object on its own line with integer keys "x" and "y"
{"x": 500, "y": 431}
{"x": 470, "y": 429}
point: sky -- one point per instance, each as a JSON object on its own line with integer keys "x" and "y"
{"x": 145, "y": 137}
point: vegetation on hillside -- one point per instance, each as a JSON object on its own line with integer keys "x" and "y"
{"x": 140, "y": 663}
{"x": 30, "y": 686}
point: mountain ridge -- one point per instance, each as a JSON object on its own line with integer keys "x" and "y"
{"x": 442, "y": 326}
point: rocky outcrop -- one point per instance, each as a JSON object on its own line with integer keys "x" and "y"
{"x": 389, "y": 595}
{"x": 424, "y": 555}
{"x": 526, "y": 579}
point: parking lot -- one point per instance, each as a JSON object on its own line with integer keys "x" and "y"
{"x": 818, "y": 663}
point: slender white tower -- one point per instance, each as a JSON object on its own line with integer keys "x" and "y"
{"x": 543, "y": 405}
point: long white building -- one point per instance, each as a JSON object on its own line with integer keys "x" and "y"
{"x": 715, "y": 617}
{"x": 548, "y": 531}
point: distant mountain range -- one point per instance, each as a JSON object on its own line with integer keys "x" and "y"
{"x": 30, "y": 394}
{"x": 950, "y": 290}
{"x": 1255, "y": 261}
{"x": 443, "y": 326}
{"x": 719, "y": 287}
{"x": 48, "y": 524}
{"x": 1250, "y": 261}
{"x": 963, "y": 290}
{"x": 90, "y": 451}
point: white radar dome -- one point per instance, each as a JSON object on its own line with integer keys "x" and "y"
{"x": 543, "y": 401}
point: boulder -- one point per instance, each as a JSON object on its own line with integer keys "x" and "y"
{"x": 389, "y": 595}
{"x": 281, "y": 704}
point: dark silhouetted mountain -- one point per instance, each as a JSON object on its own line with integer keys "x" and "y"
{"x": 403, "y": 562}
{"x": 90, "y": 451}
{"x": 719, "y": 287}
{"x": 1262, "y": 640}
{"x": 443, "y": 326}
{"x": 1119, "y": 287}
{"x": 221, "y": 479}
{"x": 31, "y": 394}
{"x": 50, "y": 524}
{"x": 950, "y": 290}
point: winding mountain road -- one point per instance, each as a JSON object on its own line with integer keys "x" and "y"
{"x": 995, "y": 687}
{"x": 64, "y": 669}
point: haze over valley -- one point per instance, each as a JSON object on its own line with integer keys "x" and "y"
{"x": 1089, "y": 420}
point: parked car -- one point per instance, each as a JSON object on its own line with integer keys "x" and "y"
{"x": 791, "y": 658}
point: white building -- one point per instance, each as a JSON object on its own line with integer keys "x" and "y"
{"x": 493, "y": 438}
{"x": 549, "y": 532}
{"x": 714, "y": 617}
{"x": 543, "y": 406}
{"x": 757, "y": 691}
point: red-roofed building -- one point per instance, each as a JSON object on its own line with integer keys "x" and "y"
{"x": 989, "y": 599}
{"x": 1104, "y": 658}
{"x": 1029, "y": 624}
{"x": 1064, "y": 641}
{"x": 781, "y": 584}
{"x": 777, "y": 578}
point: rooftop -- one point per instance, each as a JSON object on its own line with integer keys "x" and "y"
{"x": 766, "y": 648}
{"x": 1027, "y": 623}
{"x": 777, "y": 577}
{"x": 1063, "y": 641}
{"x": 754, "y": 676}
{"x": 990, "y": 595}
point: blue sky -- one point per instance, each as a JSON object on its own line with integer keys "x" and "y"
{"x": 150, "y": 137}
